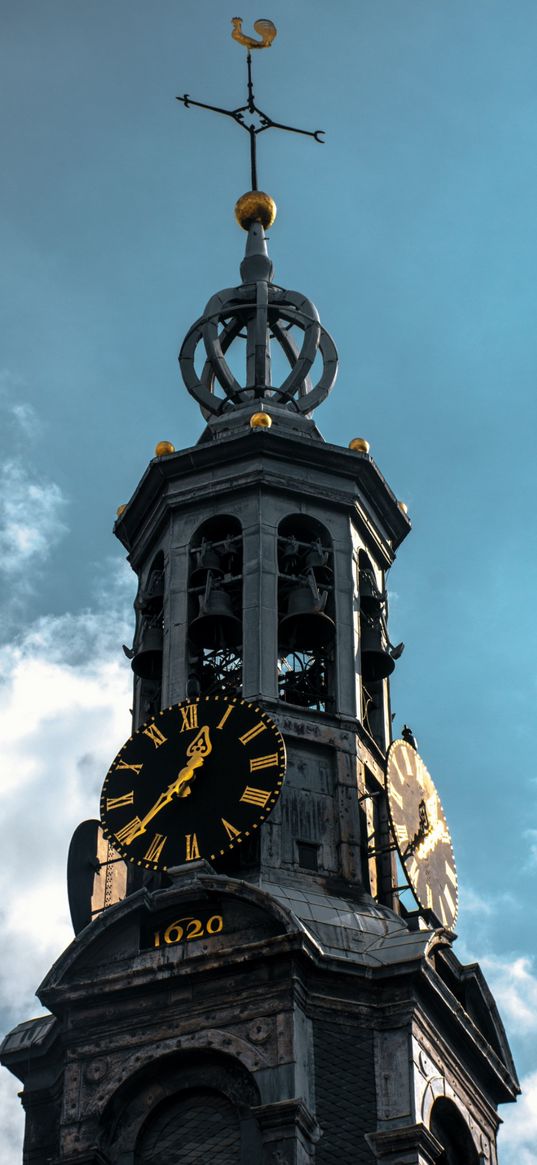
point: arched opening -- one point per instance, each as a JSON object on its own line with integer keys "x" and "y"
{"x": 191, "y": 1128}
{"x": 147, "y": 652}
{"x": 450, "y": 1129}
{"x": 377, "y": 654}
{"x": 186, "y": 1108}
{"x": 215, "y": 608}
{"x": 306, "y": 617}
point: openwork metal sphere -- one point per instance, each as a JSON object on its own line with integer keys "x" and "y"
{"x": 259, "y": 315}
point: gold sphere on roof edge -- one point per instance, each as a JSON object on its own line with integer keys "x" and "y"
{"x": 359, "y": 445}
{"x": 260, "y": 421}
{"x": 255, "y": 206}
{"x": 403, "y": 506}
{"x": 121, "y": 510}
{"x": 162, "y": 448}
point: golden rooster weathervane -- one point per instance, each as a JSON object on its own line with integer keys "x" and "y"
{"x": 261, "y": 121}
{"x": 266, "y": 29}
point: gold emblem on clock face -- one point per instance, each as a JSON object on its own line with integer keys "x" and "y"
{"x": 421, "y": 833}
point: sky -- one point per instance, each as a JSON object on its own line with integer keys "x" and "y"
{"x": 413, "y": 229}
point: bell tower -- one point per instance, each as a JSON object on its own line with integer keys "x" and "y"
{"x": 272, "y": 1002}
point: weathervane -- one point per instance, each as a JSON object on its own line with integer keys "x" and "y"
{"x": 267, "y": 31}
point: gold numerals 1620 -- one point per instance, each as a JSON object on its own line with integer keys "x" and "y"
{"x": 186, "y": 929}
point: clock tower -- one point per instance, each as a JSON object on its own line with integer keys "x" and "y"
{"x": 251, "y": 989}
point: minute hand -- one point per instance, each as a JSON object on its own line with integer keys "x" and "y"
{"x": 183, "y": 777}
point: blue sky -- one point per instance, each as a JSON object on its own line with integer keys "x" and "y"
{"x": 413, "y": 230}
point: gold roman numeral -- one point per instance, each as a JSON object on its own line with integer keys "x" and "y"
{"x": 230, "y": 829}
{"x": 155, "y": 735}
{"x": 156, "y": 848}
{"x": 263, "y": 762}
{"x": 189, "y": 717}
{"x": 127, "y": 833}
{"x": 192, "y": 848}
{"x": 227, "y": 713}
{"x": 121, "y": 764}
{"x": 255, "y": 796}
{"x": 117, "y": 802}
{"x": 253, "y": 732}
{"x": 401, "y": 833}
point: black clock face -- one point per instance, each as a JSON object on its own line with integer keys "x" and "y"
{"x": 193, "y": 782}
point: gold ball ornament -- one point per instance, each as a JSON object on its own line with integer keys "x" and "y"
{"x": 260, "y": 421}
{"x": 121, "y": 510}
{"x": 255, "y": 206}
{"x": 359, "y": 445}
{"x": 403, "y": 507}
{"x": 162, "y": 448}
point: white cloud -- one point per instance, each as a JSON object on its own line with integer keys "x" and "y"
{"x": 31, "y": 508}
{"x": 517, "y": 1142}
{"x": 514, "y": 987}
{"x": 31, "y": 521}
{"x": 11, "y": 1120}
{"x": 64, "y": 712}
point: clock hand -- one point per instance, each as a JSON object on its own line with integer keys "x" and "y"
{"x": 177, "y": 788}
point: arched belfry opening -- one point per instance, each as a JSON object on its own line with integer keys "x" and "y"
{"x": 451, "y": 1130}
{"x": 146, "y": 655}
{"x": 215, "y": 630}
{"x": 306, "y": 621}
{"x": 377, "y": 657}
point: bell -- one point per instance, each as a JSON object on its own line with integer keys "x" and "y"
{"x": 305, "y": 627}
{"x": 316, "y": 556}
{"x": 377, "y": 663}
{"x": 216, "y": 625}
{"x": 371, "y": 599}
{"x": 207, "y": 559}
{"x": 155, "y": 587}
{"x": 290, "y": 556}
{"x": 147, "y": 660}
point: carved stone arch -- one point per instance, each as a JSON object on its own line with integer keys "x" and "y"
{"x": 162, "y": 1090}
{"x": 452, "y": 1130}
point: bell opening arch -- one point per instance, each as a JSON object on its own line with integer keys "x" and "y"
{"x": 215, "y": 608}
{"x": 306, "y": 616}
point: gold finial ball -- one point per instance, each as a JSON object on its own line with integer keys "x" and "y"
{"x": 121, "y": 510}
{"x": 403, "y": 506}
{"x": 260, "y": 421}
{"x": 254, "y": 206}
{"x": 162, "y": 448}
{"x": 359, "y": 445}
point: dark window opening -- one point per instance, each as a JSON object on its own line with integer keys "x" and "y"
{"x": 450, "y": 1128}
{"x": 308, "y": 855}
{"x": 147, "y": 651}
{"x": 215, "y": 609}
{"x": 306, "y": 618}
{"x": 377, "y": 656}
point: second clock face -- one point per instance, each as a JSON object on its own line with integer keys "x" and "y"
{"x": 421, "y": 832}
{"x": 193, "y": 782}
